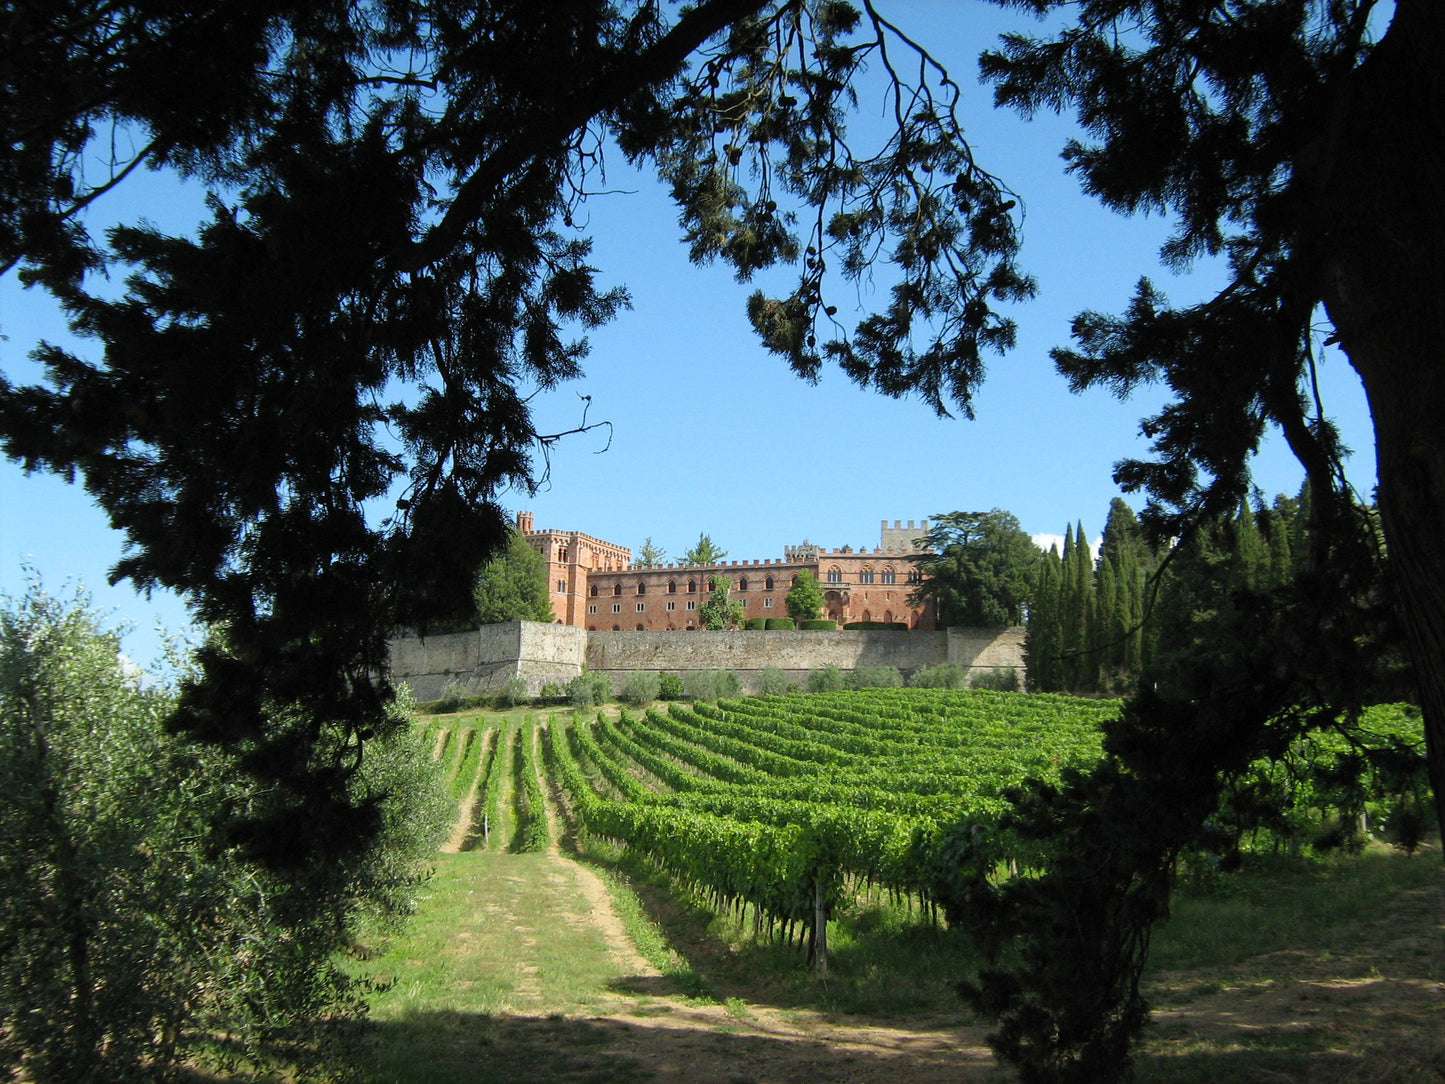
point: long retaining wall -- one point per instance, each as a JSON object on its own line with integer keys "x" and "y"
{"x": 481, "y": 661}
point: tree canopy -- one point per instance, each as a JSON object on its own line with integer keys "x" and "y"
{"x": 805, "y": 596}
{"x": 705, "y": 552}
{"x": 719, "y": 610}
{"x": 513, "y": 586}
{"x": 979, "y": 569}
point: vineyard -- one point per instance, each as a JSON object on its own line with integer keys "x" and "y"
{"x": 781, "y": 808}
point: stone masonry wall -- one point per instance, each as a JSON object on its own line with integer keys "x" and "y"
{"x": 483, "y": 660}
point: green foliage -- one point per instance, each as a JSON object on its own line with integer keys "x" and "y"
{"x": 755, "y": 624}
{"x": 818, "y": 624}
{"x": 1001, "y": 679}
{"x": 513, "y": 585}
{"x": 828, "y": 679}
{"x": 514, "y": 691}
{"x": 779, "y": 624}
{"x": 641, "y": 687}
{"x": 650, "y": 555}
{"x": 710, "y": 684}
{"x": 532, "y": 830}
{"x": 550, "y": 692}
{"x": 705, "y": 552}
{"x": 874, "y": 677}
{"x": 876, "y": 626}
{"x": 947, "y": 675}
{"x": 772, "y": 681}
{"x": 669, "y": 687}
{"x": 980, "y": 569}
{"x": 720, "y": 611}
{"x": 589, "y": 690}
{"x": 805, "y": 598}
{"x": 105, "y": 864}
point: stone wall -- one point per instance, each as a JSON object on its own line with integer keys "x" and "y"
{"x": 483, "y": 660}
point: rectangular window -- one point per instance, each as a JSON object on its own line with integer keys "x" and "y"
{"x": 617, "y": 607}
{"x": 592, "y": 609}
{"x": 561, "y": 585}
{"x": 692, "y": 604}
{"x": 642, "y": 607}
{"x": 671, "y": 605}
{"x": 915, "y": 576}
{"x": 767, "y": 604}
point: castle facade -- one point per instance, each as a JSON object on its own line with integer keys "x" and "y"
{"x": 593, "y": 583}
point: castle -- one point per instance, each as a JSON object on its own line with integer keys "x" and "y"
{"x": 593, "y": 584}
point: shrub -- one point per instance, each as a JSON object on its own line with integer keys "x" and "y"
{"x": 454, "y": 696}
{"x": 589, "y": 690}
{"x": 1003, "y": 679}
{"x": 755, "y": 624}
{"x": 551, "y": 691}
{"x": 827, "y": 680}
{"x": 699, "y": 685}
{"x": 773, "y": 682}
{"x": 514, "y": 692}
{"x": 875, "y": 677}
{"x": 816, "y": 623}
{"x": 710, "y": 684}
{"x": 669, "y": 687}
{"x": 772, "y": 623}
{"x": 946, "y": 675}
{"x": 641, "y": 687}
{"x": 875, "y": 626}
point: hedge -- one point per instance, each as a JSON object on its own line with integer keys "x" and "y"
{"x": 874, "y": 626}
{"x": 817, "y": 623}
{"x": 774, "y": 623}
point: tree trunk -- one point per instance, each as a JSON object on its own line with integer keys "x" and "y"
{"x": 1383, "y": 235}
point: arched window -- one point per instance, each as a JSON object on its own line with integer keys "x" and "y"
{"x": 889, "y": 576}
{"x": 743, "y": 584}
{"x": 642, "y": 588}
{"x": 672, "y": 587}
{"x": 692, "y": 587}
{"x": 768, "y": 584}
{"x": 617, "y": 589}
{"x": 640, "y": 627}
{"x": 867, "y": 616}
{"x": 866, "y": 576}
{"x": 835, "y": 575}
{"x": 592, "y": 590}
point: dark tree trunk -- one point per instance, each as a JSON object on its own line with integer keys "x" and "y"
{"x": 1384, "y": 242}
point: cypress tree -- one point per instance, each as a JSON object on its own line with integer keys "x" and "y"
{"x": 1043, "y": 644}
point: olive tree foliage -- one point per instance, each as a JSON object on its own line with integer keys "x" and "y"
{"x": 392, "y": 265}
{"x": 131, "y": 944}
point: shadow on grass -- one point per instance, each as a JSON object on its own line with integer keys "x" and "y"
{"x": 706, "y": 1048}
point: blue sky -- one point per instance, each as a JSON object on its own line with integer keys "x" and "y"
{"x": 710, "y": 433}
